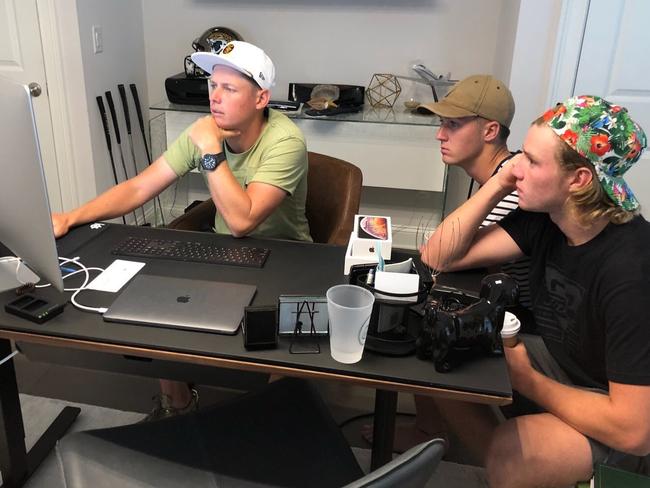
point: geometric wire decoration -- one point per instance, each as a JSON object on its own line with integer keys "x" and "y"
{"x": 383, "y": 90}
{"x": 381, "y": 114}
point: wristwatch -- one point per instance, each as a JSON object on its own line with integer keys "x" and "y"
{"x": 209, "y": 162}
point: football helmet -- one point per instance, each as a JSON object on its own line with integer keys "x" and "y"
{"x": 213, "y": 39}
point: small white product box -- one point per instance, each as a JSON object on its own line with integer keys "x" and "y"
{"x": 370, "y": 232}
{"x": 351, "y": 260}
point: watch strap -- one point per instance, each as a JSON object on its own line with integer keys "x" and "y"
{"x": 210, "y": 162}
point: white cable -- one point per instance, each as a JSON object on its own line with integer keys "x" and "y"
{"x": 18, "y": 263}
{"x": 83, "y": 269}
{"x": 86, "y": 272}
{"x": 80, "y": 271}
{"x": 63, "y": 261}
{"x": 9, "y": 357}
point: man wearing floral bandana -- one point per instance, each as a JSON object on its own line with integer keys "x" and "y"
{"x": 588, "y": 382}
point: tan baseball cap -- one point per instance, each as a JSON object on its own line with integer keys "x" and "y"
{"x": 481, "y": 95}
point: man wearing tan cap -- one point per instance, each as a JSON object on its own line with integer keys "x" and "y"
{"x": 475, "y": 117}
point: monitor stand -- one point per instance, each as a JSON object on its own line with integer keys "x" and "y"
{"x": 8, "y": 278}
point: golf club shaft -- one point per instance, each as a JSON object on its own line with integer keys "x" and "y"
{"x": 127, "y": 120}
{"x": 102, "y": 112}
{"x": 138, "y": 111}
{"x": 111, "y": 107}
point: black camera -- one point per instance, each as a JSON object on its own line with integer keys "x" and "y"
{"x": 458, "y": 326}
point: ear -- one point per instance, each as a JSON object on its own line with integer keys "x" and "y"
{"x": 581, "y": 178}
{"x": 491, "y": 130}
{"x": 262, "y": 99}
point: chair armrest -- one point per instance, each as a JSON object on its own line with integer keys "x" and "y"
{"x": 199, "y": 218}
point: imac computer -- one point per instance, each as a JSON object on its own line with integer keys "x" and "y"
{"x": 25, "y": 218}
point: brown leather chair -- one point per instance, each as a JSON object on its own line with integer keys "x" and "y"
{"x": 333, "y": 194}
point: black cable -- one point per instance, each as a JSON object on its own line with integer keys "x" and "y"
{"x": 171, "y": 210}
{"x": 367, "y": 415}
{"x": 471, "y": 187}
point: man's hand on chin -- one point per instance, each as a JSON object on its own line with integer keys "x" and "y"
{"x": 208, "y": 136}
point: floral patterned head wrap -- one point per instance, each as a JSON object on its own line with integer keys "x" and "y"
{"x": 604, "y": 134}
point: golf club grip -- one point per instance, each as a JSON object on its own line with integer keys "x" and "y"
{"x": 111, "y": 107}
{"x": 138, "y": 111}
{"x": 102, "y": 112}
{"x": 136, "y": 99}
{"x": 125, "y": 107}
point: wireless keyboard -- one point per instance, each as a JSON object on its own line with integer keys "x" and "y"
{"x": 194, "y": 251}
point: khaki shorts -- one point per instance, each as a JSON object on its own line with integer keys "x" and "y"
{"x": 543, "y": 362}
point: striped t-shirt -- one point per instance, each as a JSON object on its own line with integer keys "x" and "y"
{"x": 517, "y": 269}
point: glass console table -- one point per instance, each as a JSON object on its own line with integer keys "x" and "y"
{"x": 396, "y": 149}
{"x": 399, "y": 115}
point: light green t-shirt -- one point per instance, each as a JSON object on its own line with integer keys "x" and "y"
{"x": 278, "y": 158}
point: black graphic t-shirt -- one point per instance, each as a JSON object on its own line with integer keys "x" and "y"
{"x": 591, "y": 302}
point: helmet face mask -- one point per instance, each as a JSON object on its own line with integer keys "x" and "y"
{"x": 212, "y": 40}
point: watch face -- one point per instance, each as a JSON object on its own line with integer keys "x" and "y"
{"x": 209, "y": 162}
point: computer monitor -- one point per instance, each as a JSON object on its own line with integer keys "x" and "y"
{"x": 25, "y": 217}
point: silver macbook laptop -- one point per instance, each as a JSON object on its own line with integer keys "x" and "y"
{"x": 181, "y": 303}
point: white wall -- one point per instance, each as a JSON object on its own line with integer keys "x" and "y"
{"x": 532, "y": 63}
{"x": 122, "y": 61}
{"x": 346, "y": 41}
{"x": 335, "y": 41}
{"x": 505, "y": 41}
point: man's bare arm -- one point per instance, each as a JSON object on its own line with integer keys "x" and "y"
{"x": 458, "y": 243}
{"x": 120, "y": 199}
{"x": 242, "y": 209}
{"x": 619, "y": 419}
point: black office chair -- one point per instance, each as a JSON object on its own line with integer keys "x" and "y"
{"x": 412, "y": 469}
{"x": 282, "y": 435}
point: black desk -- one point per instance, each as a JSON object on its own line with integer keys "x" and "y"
{"x": 292, "y": 268}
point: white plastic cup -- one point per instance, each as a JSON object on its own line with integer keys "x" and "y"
{"x": 349, "y": 308}
{"x": 511, "y": 326}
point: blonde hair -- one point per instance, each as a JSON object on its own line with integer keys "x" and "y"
{"x": 590, "y": 202}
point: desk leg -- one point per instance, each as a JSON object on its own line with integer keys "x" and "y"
{"x": 383, "y": 431}
{"x": 16, "y": 464}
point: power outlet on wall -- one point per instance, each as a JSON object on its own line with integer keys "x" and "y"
{"x": 98, "y": 39}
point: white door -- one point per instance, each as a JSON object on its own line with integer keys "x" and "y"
{"x": 21, "y": 60}
{"x": 613, "y": 63}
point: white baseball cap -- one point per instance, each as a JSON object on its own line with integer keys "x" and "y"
{"x": 242, "y": 56}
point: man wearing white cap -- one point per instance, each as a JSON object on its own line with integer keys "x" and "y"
{"x": 253, "y": 160}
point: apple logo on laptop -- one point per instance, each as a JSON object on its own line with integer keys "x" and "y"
{"x": 183, "y": 299}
